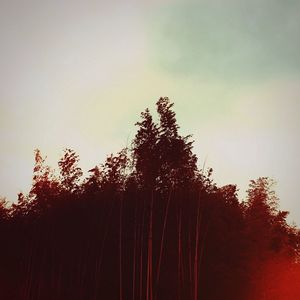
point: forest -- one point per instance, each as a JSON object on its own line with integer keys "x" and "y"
{"x": 148, "y": 223}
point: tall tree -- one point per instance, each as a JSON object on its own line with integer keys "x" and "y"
{"x": 145, "y": 151}
{"x": 45, "y": 185}
{"x": 114, "y": 171}
{"x": 69, "y": 171}
{"x": 92, "y": 184}
{"x": 260, "y": 212}
{"x": 178, "y": 164}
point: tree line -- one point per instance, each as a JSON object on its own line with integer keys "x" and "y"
{"x": 149, "y": 224}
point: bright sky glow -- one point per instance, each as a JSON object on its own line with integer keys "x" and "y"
{"x": 78, "y": 73}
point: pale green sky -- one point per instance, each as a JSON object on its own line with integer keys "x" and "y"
{"x": 78, "y": 73}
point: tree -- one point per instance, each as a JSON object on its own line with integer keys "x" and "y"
{"x": 178, "y": 164}
{"x": 22, "y": 207}
{"x": 162, "y": 157}
{"x": 93, "y": 183}
{"x": 3, "y": 209}
{"x": 167, "y": 117}
{"x": 270, "y": 238}
{"x": 69, "y": 171}
{"x": 262, "y": 196}
{"x": 114, "y": 171}
{"x": 261, "y": 209}
{"x": 145, "y": 151}
{"x": 44, "y": 185}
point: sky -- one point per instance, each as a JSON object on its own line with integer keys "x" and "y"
{"x": 77, "y": 74}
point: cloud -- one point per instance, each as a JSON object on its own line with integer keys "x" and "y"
{"x": 228, "y": 39}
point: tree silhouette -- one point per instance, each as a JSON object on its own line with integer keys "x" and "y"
{"x": 3, "y": 209}
{"x": 177, "y": 162}
{"x": 145, "y": 151}
{"x": 45, "y": 186}
{"x": 146, "y": 224}
{"x": 69, "y": 171}
{"x": 114, "y": 171}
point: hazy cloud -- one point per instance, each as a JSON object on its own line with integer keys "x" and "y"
{"x": 228, "y": 39}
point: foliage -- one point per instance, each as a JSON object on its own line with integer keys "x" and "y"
{"x": 69, "y": 171}
{"x": 146, "y": 224}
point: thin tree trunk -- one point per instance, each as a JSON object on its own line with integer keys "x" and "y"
{"x": 149, "y": 268}
{"x": 120, "y": 253}
{"x": 100, "y": 259}
{"x": 202, "y": 249}
{"x": 190, "y": 259}
{"x": 196, "y": 262}
{"x": 179, "y": 256}
{"x": 134, "y": 254}
{"x": 141, "y": 253}
{"x": 162, "y": 243}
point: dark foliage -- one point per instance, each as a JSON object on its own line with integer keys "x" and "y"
{"x": 146, "y": 224}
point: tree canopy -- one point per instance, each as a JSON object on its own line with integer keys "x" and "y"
{"x": 147, "y": 223}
